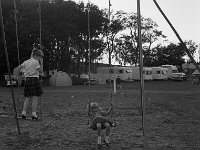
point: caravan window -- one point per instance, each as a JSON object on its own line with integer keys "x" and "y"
{"x": 120, "y": 71}
{"x": 174, "y": 71}
{"x": 148, "y": 72}
{"x": 112, "y": 71}
{"x": 129, "y": 71}
{"x": 157, "y": 72}
{"x": 164, "y": 72}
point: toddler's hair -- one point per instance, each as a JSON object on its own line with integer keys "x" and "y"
{"x": 37, "y": 52}
{"x": 94, "y": 105}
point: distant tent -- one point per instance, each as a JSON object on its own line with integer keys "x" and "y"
{"x": 60, "y": 79}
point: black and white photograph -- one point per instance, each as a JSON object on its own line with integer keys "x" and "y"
{"x": 99, "y": 75}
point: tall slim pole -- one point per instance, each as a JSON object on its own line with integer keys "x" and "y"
{"x": 108, "y": 42}
{"x": 40, "y": 41}
{"x": 16, "y": 31}
{"x": 40, "y": 25}
{"x": 89, "y": 49}
{"x": 18, "y": 53}
{"x": 8, "y": 66}
{"x": 141, "y": 71}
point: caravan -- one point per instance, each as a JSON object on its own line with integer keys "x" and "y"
{"x": 147, "y": 73}
{"x": 104, "y": 73}
{"x": 159, "y": 73}
{"x": 171, "y": 70}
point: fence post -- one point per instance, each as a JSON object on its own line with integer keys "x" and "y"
{"x": 114, "y": 83}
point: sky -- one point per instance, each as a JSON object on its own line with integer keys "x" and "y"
{"x": 183, "y": 14}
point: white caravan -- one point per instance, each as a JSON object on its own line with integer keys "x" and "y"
{"x": 159, "y": 73}
{"x": 147, "y": 73}
{"x": 171, "y": 69}
{"x": 125, "y": 73}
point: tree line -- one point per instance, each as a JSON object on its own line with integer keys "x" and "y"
{"x": 65, "y": 36}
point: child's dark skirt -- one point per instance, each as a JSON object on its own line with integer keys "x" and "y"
{"x": 32, "y": 87}
{"x": 100, "y": 120}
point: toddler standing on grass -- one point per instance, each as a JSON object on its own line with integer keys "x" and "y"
{"x": 99, "y": 121}
{"x": 32, "y": 68}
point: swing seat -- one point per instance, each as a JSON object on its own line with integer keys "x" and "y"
{"x": 102, "y": 120}
{"x": 112, "y": 125}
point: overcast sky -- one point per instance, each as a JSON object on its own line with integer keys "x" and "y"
{"x": 183, "y": 14}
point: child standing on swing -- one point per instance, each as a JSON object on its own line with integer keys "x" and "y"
{"x": 32, "y": 68}
{"x": 99, "y": 121}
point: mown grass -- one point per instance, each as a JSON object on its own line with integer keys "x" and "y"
{"x": 172, "y": 115}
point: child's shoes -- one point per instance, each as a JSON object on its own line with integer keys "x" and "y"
{"x": 23, "y": 116}
{"x": 99, "y": 146}
{"x": 34, "y": 118}
{"x": 107, "y": 144}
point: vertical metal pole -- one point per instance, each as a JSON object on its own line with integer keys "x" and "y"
{"x": 16, "y": 31}
{"x": 89, "y": 38}
{"x": 40, "y": 24}
{"x": 40, "y": 29}
{"x": 18, "y": 54}
{"x": 108, "y": 42}
{"x": 8, "y": 67}
{"x": 141, "y": 71}
{"x": 89, "y": 102}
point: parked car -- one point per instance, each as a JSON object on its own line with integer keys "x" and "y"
{"x": 82, "y": 80}
{"x": 7, "y": 79}
{"x": 179, "y": 76}
{"x": 91, "y": 81}
{"x": 14, "y": 80}
{"x": 78, "y": 81}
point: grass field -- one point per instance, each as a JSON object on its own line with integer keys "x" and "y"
{"x": 171, "y": 119}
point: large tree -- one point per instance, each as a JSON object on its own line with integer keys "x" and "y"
{"x": 64, "y": 32}
{"x": 172, "y": 54}
{"x": 128, "y": 46}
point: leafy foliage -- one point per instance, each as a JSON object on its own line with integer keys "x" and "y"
{"x": 64, "y": 31}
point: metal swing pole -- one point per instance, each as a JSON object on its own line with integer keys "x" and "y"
{"x": 8, "y": 67}
{"x": 40, "y": 25}
{"x": 111, "y": 95}
{"x": 16, "y": 31}
{"x": 40, "y": 22}
{"x": 110, "y": 66}
{"x": 88, "y": 11}
{"x": 89, "y": 48}
{"x": 141, "y": 72}
{"x": 108, "y": 43}
{"x": 18, "y": 53}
